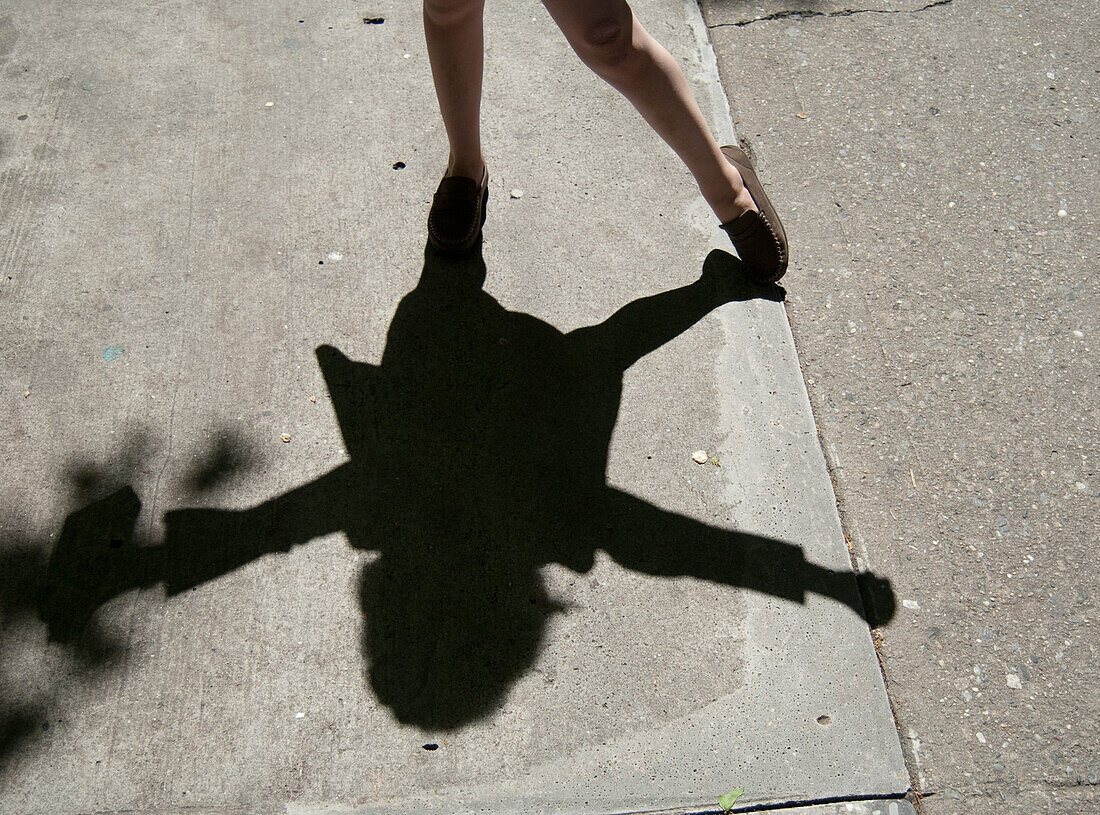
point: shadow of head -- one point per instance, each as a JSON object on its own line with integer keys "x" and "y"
{"x": 446, "y": 642}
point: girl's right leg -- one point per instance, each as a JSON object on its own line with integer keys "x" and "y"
{"x": 453, "y": 33}
{"x": 611, "y": 41}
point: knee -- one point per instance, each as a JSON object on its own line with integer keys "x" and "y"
{"x": 607, "y": 45}
{"x": 451, "y": 12}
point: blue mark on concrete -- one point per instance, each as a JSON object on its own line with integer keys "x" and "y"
{"x": 112, "y": 353}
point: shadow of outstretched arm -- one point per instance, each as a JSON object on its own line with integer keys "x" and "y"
{"x": 647, "y": 539}
{"x": 202, "y": 544}
{"x": 99, "y": 555}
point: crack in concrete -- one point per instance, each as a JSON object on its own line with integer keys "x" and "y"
{"x": 848, "y": 12}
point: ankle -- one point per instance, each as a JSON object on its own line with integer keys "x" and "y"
{"x": 466, "y": 167}
{"x": 732, "y": 204}
{"x": 729, "y": 198}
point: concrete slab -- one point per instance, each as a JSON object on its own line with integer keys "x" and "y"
{"x": 228, "y": 359}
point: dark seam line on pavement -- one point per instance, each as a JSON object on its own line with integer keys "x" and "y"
{"x": 848, "y": 12}
{"x": 769, "y": 807}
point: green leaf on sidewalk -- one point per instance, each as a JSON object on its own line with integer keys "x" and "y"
{"x": 730, "y": 798}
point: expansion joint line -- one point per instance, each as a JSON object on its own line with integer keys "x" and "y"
{"x": 848, "y": 12}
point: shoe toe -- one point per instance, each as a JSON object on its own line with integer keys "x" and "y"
{"x": 457, "y": 214}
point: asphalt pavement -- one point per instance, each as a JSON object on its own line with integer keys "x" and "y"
{"x": 938, "y": 166}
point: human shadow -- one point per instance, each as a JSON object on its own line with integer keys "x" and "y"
{"x": 478, "y": 454}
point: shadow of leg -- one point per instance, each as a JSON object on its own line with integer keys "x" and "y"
{"x": 647, "y": 323}
{"x": 202, "y": 544}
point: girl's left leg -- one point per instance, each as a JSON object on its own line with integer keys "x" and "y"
{"x": 453, "y": 34}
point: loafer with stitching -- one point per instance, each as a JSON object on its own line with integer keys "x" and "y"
{"x": 758, "y": 237}
{"x": 458, "y": 213}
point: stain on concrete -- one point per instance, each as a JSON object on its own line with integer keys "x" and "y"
{"x": 8, "y": 37}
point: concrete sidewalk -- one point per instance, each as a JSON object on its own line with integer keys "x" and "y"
{"x": 299, "y": 518}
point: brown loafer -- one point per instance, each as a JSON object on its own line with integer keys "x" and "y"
{"x": 458, "y": 213}
{"x": 758, "y": 237}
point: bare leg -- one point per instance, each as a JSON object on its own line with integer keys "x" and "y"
{"x": 610, "y": 41}
{"x": 453, "y": 33}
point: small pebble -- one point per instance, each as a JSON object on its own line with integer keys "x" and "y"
{"x": 286, "y": 438}
{"x": 269, "y": 104}
{"x": 980, "y": 737}
{"x": 912, "y": 605}
{"x": 517, "y": 193}
{"x": 700, "y": 457}
{"x": 1013, "y": 681}
{"x": 1062, "y": 213}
